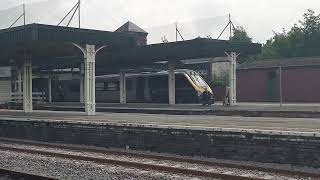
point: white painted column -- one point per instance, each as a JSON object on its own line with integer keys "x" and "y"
{"x": 171, "y": 84}
{"x": 19, "y": 82}
{"x": 147, "y": 90}
{"x": 27, "y": 87}
{"x": 233, "y": 78}
{"x": 89, "y": 80}
{"x": 50, "y": 87}
{"x": 82, "y": 83}
{"x": 123, "y": 91}
{"x": 89, "y": 52}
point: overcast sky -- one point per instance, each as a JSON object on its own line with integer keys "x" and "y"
{"x": 259, "y": 17}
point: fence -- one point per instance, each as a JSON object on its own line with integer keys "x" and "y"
{"x": 37, "y": 98}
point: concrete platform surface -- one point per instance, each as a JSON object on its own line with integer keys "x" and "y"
{"x": 241, "y": 109}
{"x": 308, "y": 107}
{"x": 310, "y": 126}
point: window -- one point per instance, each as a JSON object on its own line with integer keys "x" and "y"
{"x": 182, "y": 81}
{"x": 74, "y": 87}
{"x": 100, "y": 86}
{"x": 129, "y": 85}
{"x": 111, "y": 86}
{"x": 158, "y": 82}
{"x": 198, "y": 79}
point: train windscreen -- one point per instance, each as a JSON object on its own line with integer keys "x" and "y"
{"x": 198, "y": 80}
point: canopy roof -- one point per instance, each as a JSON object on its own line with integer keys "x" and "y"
{"x": 51, "y": 47}
{"x": 46, "y": 44}
{"x": 283, "y": 62}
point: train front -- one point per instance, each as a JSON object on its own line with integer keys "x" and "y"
{"x": 199, "y": 84}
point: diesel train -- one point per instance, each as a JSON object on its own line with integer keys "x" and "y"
{"x": 147, "y": 87}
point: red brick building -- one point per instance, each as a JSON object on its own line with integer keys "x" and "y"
{"x": 260, "y": 80}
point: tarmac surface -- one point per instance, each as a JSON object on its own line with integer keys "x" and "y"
{"x": 272, "y": 124}
{"x": 307, "y": 107}
{"x": 241, "y": 109}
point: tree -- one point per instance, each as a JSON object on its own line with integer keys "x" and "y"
{"x": 302, "y": 40}
{"x": 240, "y": 35}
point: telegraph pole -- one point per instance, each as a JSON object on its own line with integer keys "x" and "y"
{"x": 280, "y": 85}
{"x": 74, "y": 10}
{"x": 24, "y": 14}
{"x": 176, "y": 32}
{"x": 230, "y": 25}
{"x": 79, "y": 13}
{"x": 230, "y": 22}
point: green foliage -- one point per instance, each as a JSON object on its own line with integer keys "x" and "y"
{"x": 217, "y": 81}
{"x": 302, "y": 40}
{"x": 240, "y": 35}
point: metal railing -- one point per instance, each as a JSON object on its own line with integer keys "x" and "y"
{"x": 37, "y": 98}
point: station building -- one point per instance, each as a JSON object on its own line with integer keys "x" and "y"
{"x": 37, "y": 54}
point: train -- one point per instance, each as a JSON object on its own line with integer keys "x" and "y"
{"x": 144, "y": 87}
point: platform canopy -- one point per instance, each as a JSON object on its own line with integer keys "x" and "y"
{"x": 37, "y": 47}
{"x": 176, "y": 51}
{"x": 51, "y": 47}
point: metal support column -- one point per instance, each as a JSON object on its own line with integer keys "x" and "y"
{"x": 89, "y": 54}
{"x": 50, "y": 87}
{"x": 19, "y": 82}
{"x": 280, "y": 86}
{"x": 27, "y": 87}
{"x": 89, "y": 80}
{"x": 210, "y": 72}
{"x": 233, "y": 78}
{"x": 172, "y": 84}
{"x": 123, "y": 92}
{"x": 82, "y": 83}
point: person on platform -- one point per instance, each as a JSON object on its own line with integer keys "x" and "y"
{"x": 206, "y": 97}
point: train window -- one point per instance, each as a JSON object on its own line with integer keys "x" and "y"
{"x": 75, "y": 88}
{"x": 129, "y": 85}
{"x": 99, "y": 86}
{"x": 111, "y": 86}
{"x": 182, "y": 81}
{"x": 198, "y": 79}
{"x": 158, "y": 82}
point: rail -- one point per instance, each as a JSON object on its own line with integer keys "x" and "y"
{"x": 11, "y": 174}
{"x": 139, "y": 165}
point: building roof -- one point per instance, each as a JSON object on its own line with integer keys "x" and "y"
{"x": 50, "y": 47}
{"x": 46, "y": 42}
{"x": 130, "y": 27}
{"x": 287, "y": 62}
{"x": 177, "y": 51}
{"x": 58, "y": 34}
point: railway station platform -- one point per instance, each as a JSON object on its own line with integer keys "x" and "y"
{"x": 292, "y": 110}
{"x": 265, "y": 125}
{"x": 290, "y": 141}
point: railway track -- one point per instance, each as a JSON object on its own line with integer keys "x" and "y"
{"x": 149, "y": 162}
{"x": 10, "y": 174}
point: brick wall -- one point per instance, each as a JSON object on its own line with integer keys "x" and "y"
{"x": 252, "y": 85}
{"x": 300, "y": 151}
{"x": 299, "y": 85}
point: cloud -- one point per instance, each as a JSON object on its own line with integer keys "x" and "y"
{"x": 258, "y": 17}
